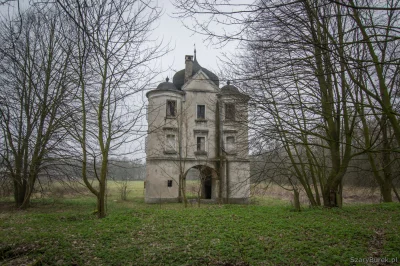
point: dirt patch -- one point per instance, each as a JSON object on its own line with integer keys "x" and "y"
{"x": 7, "y": 207}
{"x": 360, "y": 195}
{"x": 18, "y": 254}
{"x": 376, "y": 245}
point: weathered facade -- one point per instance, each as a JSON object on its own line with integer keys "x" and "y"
{"x": 195, "y": 124}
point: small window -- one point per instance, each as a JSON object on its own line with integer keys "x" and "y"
{"x": 201, "y": 143}
{"x": 171, "y": 142}
{"x": 230, "y": 144}
{"x": 201, "y": 111}
{"x": 171, "y": 108}
{"x": 230, "y": 111}
{"x": 169, "y": 183}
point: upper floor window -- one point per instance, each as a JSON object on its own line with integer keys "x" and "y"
{"x": 201, "y": 143}
{"x": 171, "y": 108}
{"x": 201, "y": 111}
{"x": 230, "y": 144}
{"x": 171, "y": 142}
{"x": 230, "y": 111}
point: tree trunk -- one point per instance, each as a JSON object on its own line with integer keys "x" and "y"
{"x": 27, "y": 201}
{"x": 101, "y": 200}
{"x": 182, "y": 181}
{"x": 386, "y": 190}
{"x": 296, "y": 199}
{"x": 19, "y": 192}
{"x": 124, "y": 192}
{"x": 395, "y": 192}
{"x": 331, "y": 196}
{"x": 386, "y": 187}
{"x": 101, "y": 203}
{"x": 22, "y": 194}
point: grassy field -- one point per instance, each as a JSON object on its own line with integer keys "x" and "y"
{"x": 63, "y": 231}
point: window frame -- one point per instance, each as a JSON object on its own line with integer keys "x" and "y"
{"x": 168, "y": 109}
{"x": 231, "y": 115}
{"x": 230, "y": 147}
{"x": 197, "y": 144}
{"x": 197, "y": 112}
{"x": 167, "y": 142}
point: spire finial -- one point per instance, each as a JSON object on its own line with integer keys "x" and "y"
{"x": 194, "y": 51}
{"x": 167, "y": 79}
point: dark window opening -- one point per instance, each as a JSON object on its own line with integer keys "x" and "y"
{"x": 169, "y": 183}
{"x": 171, "y": 108}
{"x": 230, "y": 111}
{"x": 201, "y": 143}
{"x": 201, "y": 112}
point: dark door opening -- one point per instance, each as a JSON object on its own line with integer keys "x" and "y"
{"x": 207, "y": 187}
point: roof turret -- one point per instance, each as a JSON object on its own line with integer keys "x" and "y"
{"x": 229, "y": 89}
{"x": 169, "y": 86}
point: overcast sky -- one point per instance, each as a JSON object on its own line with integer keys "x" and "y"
{"x": 171, "y": 30}
{"x": 183, "y": 40}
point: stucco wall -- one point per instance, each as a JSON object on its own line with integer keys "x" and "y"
{"x": 157, "y": 175}
{"x": 163, "y": 164}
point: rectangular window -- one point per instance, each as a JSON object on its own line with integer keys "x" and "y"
{"x": 230, "y": 111}
{"x": 171, "y": 142}
{"x": 230, "y": 144}
{"x": 171, "y": 108}
{"x": 201, "y": 143}
{"x": 201, "y": 111}
{"x": 169, "y": 183}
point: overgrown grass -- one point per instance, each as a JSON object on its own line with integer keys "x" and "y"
{"x": 65, "y": 232}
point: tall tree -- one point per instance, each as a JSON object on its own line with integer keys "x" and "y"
{"x": 113, "y": 64}
{"x": 300, "y": 64}
{"x": 34, "y": 86}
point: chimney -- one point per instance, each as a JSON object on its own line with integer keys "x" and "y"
{"x": 188, "y": 67}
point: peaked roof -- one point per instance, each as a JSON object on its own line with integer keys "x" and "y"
{"x": 179, "y": 77}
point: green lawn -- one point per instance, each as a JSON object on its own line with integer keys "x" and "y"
{"x": 65, "y": 232}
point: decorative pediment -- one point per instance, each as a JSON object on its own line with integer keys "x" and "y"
{"x": 200, "y": 82}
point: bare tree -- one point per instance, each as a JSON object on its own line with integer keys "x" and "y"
{"x": 113, "y": 65}
{"x": 35, "y": 90}
{"x": 300, "y": 64}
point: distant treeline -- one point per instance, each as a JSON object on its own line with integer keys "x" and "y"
{"x": 70, "y": 170}
{"x": 272, "y": 167}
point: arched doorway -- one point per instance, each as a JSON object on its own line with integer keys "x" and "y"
{"x": 201, "y": 182}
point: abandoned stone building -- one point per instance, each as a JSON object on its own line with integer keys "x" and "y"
{"x": 194, "y": 124}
